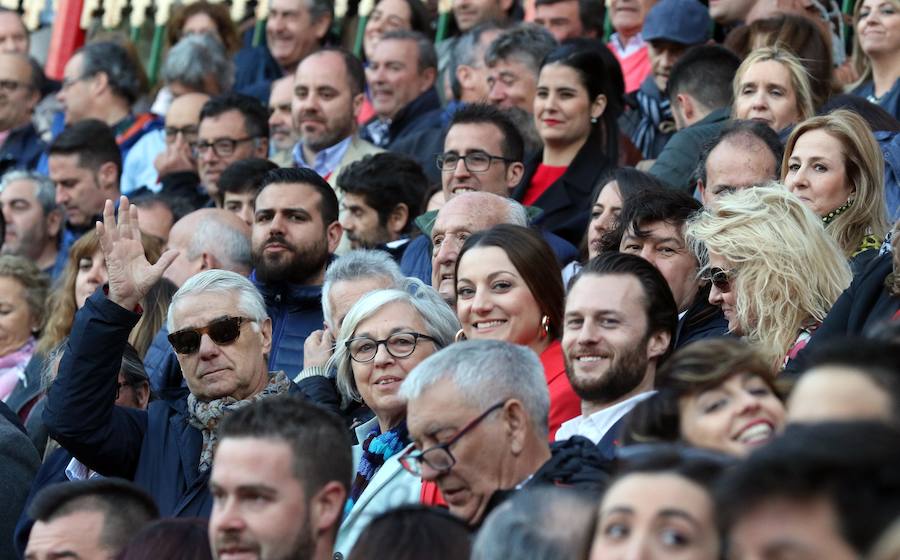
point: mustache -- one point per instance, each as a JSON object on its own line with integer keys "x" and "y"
{"x": 281, "y": 240}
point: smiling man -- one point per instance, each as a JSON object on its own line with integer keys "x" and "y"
{"x": 221, "y": 334}
{"x": 295, "y": 232}
{"x": 613, "y": 342}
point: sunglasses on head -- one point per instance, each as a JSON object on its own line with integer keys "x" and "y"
{"x": 720, "y": 278}
{"x": 222, "y": 331}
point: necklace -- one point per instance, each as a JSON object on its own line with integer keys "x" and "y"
{"x": 837, "y": 212}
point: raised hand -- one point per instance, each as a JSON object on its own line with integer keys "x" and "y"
{"x": 130, "y": 273}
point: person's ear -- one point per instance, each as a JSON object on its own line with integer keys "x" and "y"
{"x": 142, "y": 394}
{"x": 326, "y": 508}
{"x": 686, "y": 103}
{"x": 321, "y": 26}
{"x": 333, "y": 234}
{"x": 53, "y": 222}
{"x": 108, "y": 176}
{"x": 598, "y": 106}
{"x": 701, "y": 189}
{"x": 658, "y": 345}
{"x": 464, "y": 75}
{"x": 357, "y": 104}
{"x": 99, "y": 82}
{"x": 398, "y": 219}
{"x": 262, "y": 148}
{"x": 208, "y": 262}
{"x": 265, "y": 332}
{"x": 514, "y": 173}
{"x": 428, "y": 78}
{"x": 515, "y": 423}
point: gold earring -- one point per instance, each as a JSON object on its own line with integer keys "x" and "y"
{"x": 545, "y": 324}
{"x": 460, "y": 336}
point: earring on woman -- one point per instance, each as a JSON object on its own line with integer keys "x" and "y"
{"x": 593, "y": 120}
{"x": 545, "y": 325}
{"x": 460, "y": 336}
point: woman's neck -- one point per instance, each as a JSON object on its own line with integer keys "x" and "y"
{"x": 390, "y": 420}
{"x": 562, "y": 155}
{"x": 885, "y": 71}
{"x": 541, "y": 344}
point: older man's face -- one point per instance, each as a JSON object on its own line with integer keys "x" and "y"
{"x": 457, "y": 221}
{"x": 236, "y": 369}
{"x": 434, "y": 418}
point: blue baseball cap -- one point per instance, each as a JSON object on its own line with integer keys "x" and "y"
{"x": 681, "y": 21}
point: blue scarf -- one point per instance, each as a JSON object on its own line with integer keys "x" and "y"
{"x": 377, "y": 448}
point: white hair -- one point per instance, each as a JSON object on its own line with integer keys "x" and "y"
{"x": 486, "y": 371}
{"x": 227, "y": 243}
{"x": 517, "y": 215}
{"x": 440, "y": 323}
{"x": 250, "y": 301}
{"x": 356, "y": 265}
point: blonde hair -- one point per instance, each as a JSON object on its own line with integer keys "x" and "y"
{"x": 788, "y": 270}
{"x": 799, "y": 77}
{"x": 864, "y": 171}
{"x": 859, "y": 59}
{"x": 62, "y": 304}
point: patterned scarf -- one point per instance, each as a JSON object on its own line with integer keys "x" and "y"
{"x": 376, "y": 449}
{"x": 205, "y": 416}
{"x": 656, "y": 117}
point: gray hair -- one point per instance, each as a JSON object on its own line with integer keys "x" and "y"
{"x": 112, "y": 60}
{"x": 195, "y": 57}
{"x": 484, "y": 372}
{"x": 517, "y": 215}
{"x": 319, "y": 9}
{"x": 528, "y": 43}
{"x": 466, "y": 49}
{"x": 440, "y": 323}
{"x": 221, "y": 239}
{"x": 44, "y": 189}
{"x": 542, "y": 523}
{"x": 356, "y": 265}
{"x": 250, "y": 302}
{"x": 427, "y": 54}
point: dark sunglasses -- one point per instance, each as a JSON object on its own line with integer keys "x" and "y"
{"x": 222, "y": 331}
{"x": 720, "y": 278}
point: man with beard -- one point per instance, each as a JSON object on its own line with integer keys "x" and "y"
{"x": 328, "y": 94}
{"x": 281, "y": 127}
{"x": 614, "y": 342}
{"x": 295, "y": 231}
{"x": 298, "y": 496}
{"x": 34, "y": 221}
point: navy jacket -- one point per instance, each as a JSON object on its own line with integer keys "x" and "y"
{"x": 22, "y": 149}
{"x": 420, "y": 114}
{"x": 158, "y": 449}
{"x": 296, "y": 311}
{"x": 702, "y": 320}
{"x": 254, "y": 72}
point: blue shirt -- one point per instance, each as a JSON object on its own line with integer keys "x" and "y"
{"x": 326, "y": 160}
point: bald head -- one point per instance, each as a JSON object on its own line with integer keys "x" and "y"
{"x": 460, "y": 217}
{"x": 209, "y": 238}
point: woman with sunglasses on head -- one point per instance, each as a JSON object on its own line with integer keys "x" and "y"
{"x": 509, "y": 287}
{"x": 834, "y": 165}
{"x": 717, "y": 394}
{"x": 575, "y": 111}
{"x": 775, "y": 272}
{"x": 383, "y": 337}
{"x": 772, "y": 86}
{"x": 876, "y": 52}
{"x": 660, "y": 506}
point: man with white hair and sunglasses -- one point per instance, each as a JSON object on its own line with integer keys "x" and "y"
{"x": 221, "y": 335}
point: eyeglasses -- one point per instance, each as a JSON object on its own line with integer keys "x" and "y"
{"x": 399, "y": 345}
{"x": 222, "y": 147}
{"x": 720, "y": 278}
{"x": 476, "y": 162}
{"x": 9, "y": 86}
{"x": 222, "y": 331}
{"x": 439, "y": 458}
{"x": 189, "y": 131}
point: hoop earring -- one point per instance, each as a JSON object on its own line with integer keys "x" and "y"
{"x": 460, "y": 336}
{"x": 545, "y": 325}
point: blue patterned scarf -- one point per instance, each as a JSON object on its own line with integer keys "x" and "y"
{"x": 377, "y": 448}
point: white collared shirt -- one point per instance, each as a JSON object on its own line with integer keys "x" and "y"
{"x": 595, "y": 426}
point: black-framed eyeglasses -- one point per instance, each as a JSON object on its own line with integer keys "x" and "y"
{"x": 399, "y": 345}
{"x": 222, "y": 331}
{"x": 10, "y": 86}
{"x": 188, "y": 131}
{"x": 720, "y": 278}
{"x": 475, "y": 162}
{"x": 439, "y": 458}
{"x": 222, "y": 147}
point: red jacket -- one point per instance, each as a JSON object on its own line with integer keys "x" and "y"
{"x": 564, "y": 403}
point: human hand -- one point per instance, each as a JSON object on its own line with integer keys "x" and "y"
{"x": 130, "y": 274}
{"x": 176, "y": 158}
{"x": 318, "y": 348}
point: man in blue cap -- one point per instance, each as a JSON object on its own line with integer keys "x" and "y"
{"x": 671, "y": 27}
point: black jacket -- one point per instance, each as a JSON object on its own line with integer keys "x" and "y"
{"x": 567, "y": 203}
{"x": 421, "y": 113}
{"x": 22, "y": 149}
{"x": 702, "y": 320}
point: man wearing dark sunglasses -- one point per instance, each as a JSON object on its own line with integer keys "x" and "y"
{"x": 221, "y": 335}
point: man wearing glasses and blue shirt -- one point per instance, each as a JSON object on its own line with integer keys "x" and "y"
{"x": 220, "y": 333}
{"x": 482, "y": 391}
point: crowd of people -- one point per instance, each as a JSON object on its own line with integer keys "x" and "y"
{"x": 560, "y": 279}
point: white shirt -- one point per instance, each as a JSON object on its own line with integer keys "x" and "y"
{"x": 595, "y": 426}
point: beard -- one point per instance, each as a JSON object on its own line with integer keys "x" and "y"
{"x": 302, "y": 545}
{"x": 625, "y": 373}
{"x": 339, "y": 129}
{"x": 296, "y": 265}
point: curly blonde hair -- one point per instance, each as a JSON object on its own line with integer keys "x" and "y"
{"x": 62, "y": 304}
{"x": 799, "y": 77}
{"x": 864, "y": 165}
{"x": 788, "y": 271}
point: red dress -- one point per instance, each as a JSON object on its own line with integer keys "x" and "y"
{"x": 564, "y": 403}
